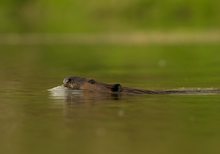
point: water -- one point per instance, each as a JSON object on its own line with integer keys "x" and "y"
{"x": 33, "y": 120}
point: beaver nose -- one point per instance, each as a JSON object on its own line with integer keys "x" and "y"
{"x": 66, "y": 80}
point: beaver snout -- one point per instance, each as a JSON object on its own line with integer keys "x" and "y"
{"x": 66, "y": 80}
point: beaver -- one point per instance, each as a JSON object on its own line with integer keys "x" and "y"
{"x": 81, "y": 83}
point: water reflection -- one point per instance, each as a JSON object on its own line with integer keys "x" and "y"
{"x": 80, "y": 96}
{"x": 61, "y": 93}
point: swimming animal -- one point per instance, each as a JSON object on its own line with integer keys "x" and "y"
{"x": 91, "y": 85}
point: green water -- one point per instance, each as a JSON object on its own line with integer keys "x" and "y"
{"x": 34, "y": 121}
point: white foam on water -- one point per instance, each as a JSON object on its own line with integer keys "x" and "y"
{"x": 61, "y": 92}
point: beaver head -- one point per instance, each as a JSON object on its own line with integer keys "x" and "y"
{"x": 74, "y": 82}
{"x": 79, "y": 83}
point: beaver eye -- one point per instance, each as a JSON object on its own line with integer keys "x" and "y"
{"x": 92, "y": 81}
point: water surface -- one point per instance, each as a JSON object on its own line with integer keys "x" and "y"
{"x": 32, "y": 120}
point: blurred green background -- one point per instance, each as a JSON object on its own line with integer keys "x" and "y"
{"x": 87, "y": 16}
{"x": 149, "y": 44}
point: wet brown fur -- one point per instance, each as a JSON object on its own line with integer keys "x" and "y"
{"x": 79, "y": 83}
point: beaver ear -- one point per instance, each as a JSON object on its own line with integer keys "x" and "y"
{"x": 116, "y": 88}
{"x": 92, "y": 81}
